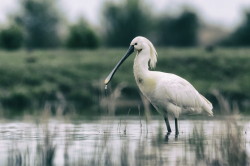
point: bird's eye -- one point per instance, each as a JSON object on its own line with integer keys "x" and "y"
{"x": 135, "y": 43}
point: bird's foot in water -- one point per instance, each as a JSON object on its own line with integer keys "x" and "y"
{"x": 166, "y": 137}
{"x": 176, "y": 135}
{"x": 168, "y": 134}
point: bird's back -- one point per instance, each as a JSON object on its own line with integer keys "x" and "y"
{"x": 177, "y": 95}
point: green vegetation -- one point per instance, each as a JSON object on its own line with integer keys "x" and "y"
{"x": 11, "y": 38}
{"x": 43, "y": 26}
{"x": 125, "y": 21}
{"x": 74, "y": 79}
{"x": 40, "y": 21}
{"x": 82, "y": 36}
{"x": 181, "y": 31}
{"x": 240, "y": 37}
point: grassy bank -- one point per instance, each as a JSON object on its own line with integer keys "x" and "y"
{"x": 73, "y": 80}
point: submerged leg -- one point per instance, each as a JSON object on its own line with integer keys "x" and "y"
{"x": 167, "y": 137}
{"x": 176, "y": 127}
{"x": 167, "y": 124}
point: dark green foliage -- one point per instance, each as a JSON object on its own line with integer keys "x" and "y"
{"x": 40, "y": 21}
{"x": 78, "y": 75}
{"x": 241, "y": 36}
{"x": 82, "y": 36}
{"x": 18, "y": 99}
{"x": 125, "y": 21}
{"x": 11, "y": 38}
{"x": 180, "y": 31}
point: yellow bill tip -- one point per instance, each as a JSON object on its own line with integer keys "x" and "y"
{"x": 106, "y": 81}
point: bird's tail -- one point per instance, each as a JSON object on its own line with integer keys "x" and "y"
{"x": 207, "y": 106}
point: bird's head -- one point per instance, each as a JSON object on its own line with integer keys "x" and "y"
{"x": 138, "y": 43}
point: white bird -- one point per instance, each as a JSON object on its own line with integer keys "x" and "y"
{"x": 168, "y": 93}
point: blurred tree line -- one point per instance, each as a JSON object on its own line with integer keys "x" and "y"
{"x": 241, "y": 36}
{"x": 39, "y": 26}
{"x": 125, "y": 21}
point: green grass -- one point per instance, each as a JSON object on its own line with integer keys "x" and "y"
{"x": 28, "y": 80}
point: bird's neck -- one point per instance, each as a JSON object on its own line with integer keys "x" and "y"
{"x": 141, "y": 63}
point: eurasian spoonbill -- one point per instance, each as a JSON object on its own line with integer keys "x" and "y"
{"x": 168, "y": 93}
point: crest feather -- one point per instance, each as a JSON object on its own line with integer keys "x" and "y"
{"x": 153, "y": 55}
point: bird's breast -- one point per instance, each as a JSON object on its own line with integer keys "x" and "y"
{"x": 144, "y": 78}
{"x": 147, "y": 85}
{"x": 140, "y": 80}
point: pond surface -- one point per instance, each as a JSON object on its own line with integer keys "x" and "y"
{"x": 116, "y": 141}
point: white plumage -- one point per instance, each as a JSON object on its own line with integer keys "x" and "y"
{"x": 168, "y": 93}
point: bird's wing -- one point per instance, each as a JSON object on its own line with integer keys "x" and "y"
{"x": 181, "y": 93}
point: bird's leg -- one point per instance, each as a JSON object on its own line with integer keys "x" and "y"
{"x": 167, "y": 124}
{"x": 176, "y": 126}
{"x": 167, "y": 137}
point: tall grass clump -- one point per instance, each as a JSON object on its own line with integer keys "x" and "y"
{"x": 228, "y": 149}
{"x": 43, "y": 155}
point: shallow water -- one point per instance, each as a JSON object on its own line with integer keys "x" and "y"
{"x": 81, "y": 141}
